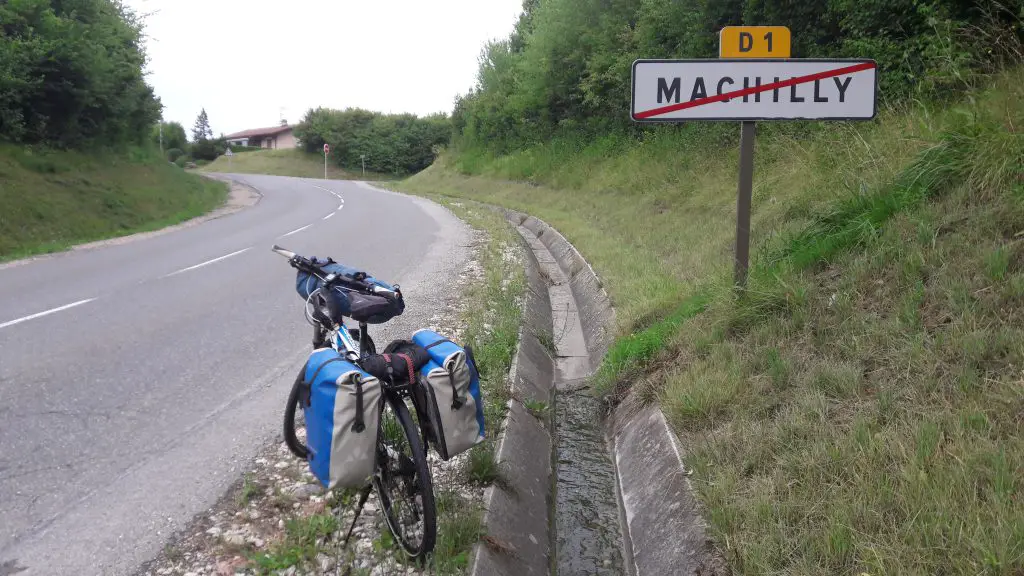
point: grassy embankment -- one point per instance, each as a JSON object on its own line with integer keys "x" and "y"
{"x": 53, "y": 200}
{"x": 859, "y": 407}
{"x": 291, "y": 162}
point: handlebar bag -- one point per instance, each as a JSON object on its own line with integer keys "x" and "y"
{"x": 450, "y": 388}
{"x": 373, "y": 309}
{"x": 342, "y": 407}
{"x": 368, "y": 308}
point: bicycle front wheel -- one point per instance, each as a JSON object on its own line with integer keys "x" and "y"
{"x": 402, "y": 481}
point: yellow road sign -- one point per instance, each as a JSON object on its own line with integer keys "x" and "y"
{"x": 754, "y": 42}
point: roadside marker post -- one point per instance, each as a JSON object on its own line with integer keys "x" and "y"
{"x": 763, "y": 84}
{"x": 327, "y": 150}
{"x": 363, "y": 158}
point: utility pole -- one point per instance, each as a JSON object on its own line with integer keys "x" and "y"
{"x": 363, "y": 158}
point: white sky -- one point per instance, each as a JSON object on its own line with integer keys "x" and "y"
{"x": 243, "y": 60}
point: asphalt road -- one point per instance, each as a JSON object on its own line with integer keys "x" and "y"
{"x": 137, "y": 380}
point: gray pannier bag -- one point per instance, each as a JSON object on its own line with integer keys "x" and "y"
{"x": 451, "y": 387}
{"x": 342, "y": 406}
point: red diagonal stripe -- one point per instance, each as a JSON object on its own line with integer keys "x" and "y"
{"x": 755, "y": 89}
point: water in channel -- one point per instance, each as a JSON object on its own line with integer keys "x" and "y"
{"x": 586, "y": 508}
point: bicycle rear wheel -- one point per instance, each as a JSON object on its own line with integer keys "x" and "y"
{"x": 402, "y": 480}
{"x": 291, "y": 407}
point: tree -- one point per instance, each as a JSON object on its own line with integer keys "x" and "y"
{"x": 391, "y": 143}
{"x": 201, "y": 130}
{"x": 174, "y": 136}
{"x": 565, "y": 68}
{"x": 71, "y": 74}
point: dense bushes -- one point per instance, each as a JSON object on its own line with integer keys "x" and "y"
{"x": 71, "y": 74}
{"x": 239, "y": 149}
{"x": 391, "y": 143}
{"x": 207, "y": 149}
{"x": 566, "y": 66}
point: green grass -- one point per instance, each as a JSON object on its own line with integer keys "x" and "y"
{"x": 538, "y": 408}
{"x": 482, "y": 467}
{"x": 857, "y": 408}
{"x": 300, "y": 543}
{"x": 53, "y": 200}
{"x": 248, "y": 491}
{"x": 459, "y": 527}
{"x": 290, "y": 162}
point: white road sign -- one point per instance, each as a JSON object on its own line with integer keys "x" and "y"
{"x": 757, "y": 89}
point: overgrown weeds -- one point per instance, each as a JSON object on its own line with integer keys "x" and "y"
{"x": 249, "y": 490}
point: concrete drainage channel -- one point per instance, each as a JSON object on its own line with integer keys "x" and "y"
{"x": 583, "y": 493}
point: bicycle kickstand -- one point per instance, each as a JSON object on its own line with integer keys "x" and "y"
{"x": 359, "y": 510}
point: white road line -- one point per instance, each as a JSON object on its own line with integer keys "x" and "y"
{"x": 296, "y": 231}
{"x": 336, "y": 195}
{"x": 47, "y": 312}
{"x": 201, "y": 264}
{"x": 328, "y": 216}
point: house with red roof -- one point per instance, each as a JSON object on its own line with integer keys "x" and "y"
{"x": 276, "y": 137}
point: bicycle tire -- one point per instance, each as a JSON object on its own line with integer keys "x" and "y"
{"x": 291, "y": 405}
{"x": 423, "y": 483}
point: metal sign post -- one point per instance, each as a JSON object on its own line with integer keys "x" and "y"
{"x": 327, "y": 150}
{"x": 759, "y": 86}
{"x": 749, "y": 42}
{"x": 363, "y": 158}
{"x": 748, "y": 130}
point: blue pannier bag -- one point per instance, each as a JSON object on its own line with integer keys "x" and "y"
{"x": 341, "y": 404}
{"x": 450, "y": 383}
{"x": 361, "y": 307}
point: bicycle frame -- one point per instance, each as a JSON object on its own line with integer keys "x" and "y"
{"x": 341, "y": 340}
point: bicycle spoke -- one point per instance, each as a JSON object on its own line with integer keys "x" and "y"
{"x": 399, "y": 485}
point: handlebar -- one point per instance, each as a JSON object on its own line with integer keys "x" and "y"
{"x": 307, "y": 265}
{"x": 286, "y": 253}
